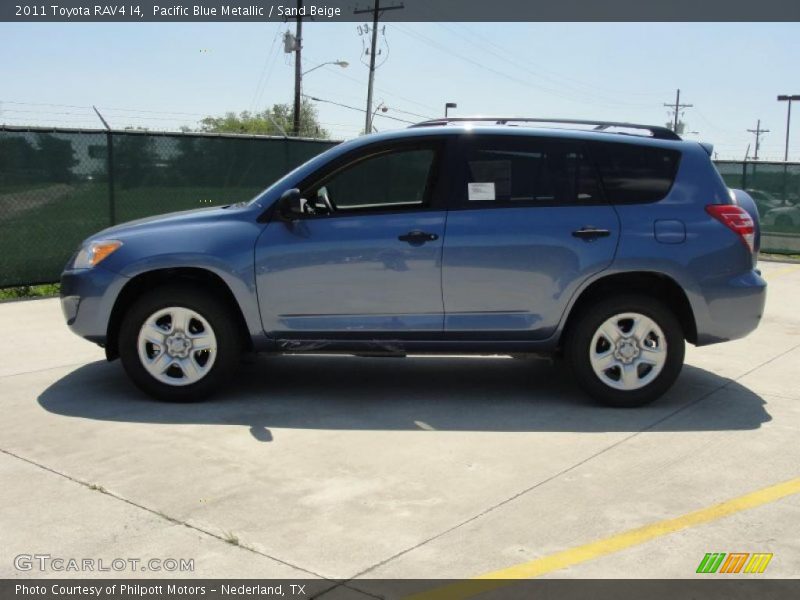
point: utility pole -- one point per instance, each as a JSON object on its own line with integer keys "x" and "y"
{"x": 298, "y": 67}
{"x": 677, "y": 107}
{"x": 376, "y": 15}
{"x": 788, "y": 99}
{"x": 759, "y": 132}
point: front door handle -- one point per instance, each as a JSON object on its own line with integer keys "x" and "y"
{"x": 417, "y": 238}
{"x": 590, "y": 233}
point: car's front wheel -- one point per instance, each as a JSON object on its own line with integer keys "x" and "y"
{"x": 179, "y": 343}
{"x": 627, "y": 350}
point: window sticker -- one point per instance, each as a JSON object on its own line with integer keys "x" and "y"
{"x": 481, "y": 191}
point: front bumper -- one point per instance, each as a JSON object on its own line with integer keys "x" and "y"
{"x": 87, "y": 299}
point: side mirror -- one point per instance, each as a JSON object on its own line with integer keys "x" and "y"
{"x": 291, "y": 204}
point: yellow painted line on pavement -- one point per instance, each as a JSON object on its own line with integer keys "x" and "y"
{"x": 780, "y": 272}
{"x": 609, "y": 545}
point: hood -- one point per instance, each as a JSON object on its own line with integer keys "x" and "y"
{"x": 187, "y": 217}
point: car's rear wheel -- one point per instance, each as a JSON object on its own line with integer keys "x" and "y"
{"x": 179, "y": 343}
{"x": 626, "y": 351}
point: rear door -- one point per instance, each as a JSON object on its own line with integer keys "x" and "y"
{"x": 528, "y": 225}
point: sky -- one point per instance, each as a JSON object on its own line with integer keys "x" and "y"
{"x": 162, "y": 76}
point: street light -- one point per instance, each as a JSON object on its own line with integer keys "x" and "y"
{"x": 448, "y": 106}
{"x": 339, "y": 63}
{"x": 788, "y": 98}
{"x": 298, "y": 82}
{"x": 381, "y": 107}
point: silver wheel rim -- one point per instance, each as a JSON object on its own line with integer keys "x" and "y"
{"x": 177, "y": 346}
{"x": 628, "y": 351}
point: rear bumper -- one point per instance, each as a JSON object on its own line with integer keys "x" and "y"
{"x": 733, "y": 308}
{"x": 87, "y": 299}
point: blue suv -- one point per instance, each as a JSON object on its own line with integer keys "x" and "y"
{"x": 609, "y": 246}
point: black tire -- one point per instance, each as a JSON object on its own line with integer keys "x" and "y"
{"x": 213, "y": 309}
{"x": 579, "y": 344}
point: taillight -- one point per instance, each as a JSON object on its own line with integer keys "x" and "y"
{"x": 737, "y": 220}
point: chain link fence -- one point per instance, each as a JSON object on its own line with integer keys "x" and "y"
{"x": 775, "y": 186}
{"x": 59, "y": 186}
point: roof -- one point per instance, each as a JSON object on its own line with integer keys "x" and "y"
{"x": 478, "y": 128}
{"x": 655, "y": 131}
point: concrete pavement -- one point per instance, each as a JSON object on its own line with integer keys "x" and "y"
{"x": 345, "y": 468}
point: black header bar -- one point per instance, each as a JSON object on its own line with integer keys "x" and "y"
{"x": 322, "y": 11}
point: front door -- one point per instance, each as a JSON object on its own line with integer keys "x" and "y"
{"x": 366, "y": 260}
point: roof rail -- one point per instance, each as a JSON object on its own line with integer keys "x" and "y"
{"x": 656, "y": 131}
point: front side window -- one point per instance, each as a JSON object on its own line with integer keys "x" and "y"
{"x": 535, "y": 171}
{"x": 384, "y": 181}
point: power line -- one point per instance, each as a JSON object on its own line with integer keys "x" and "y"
{"x": 267, "y": 68}
{"x": 47, "y": 104}
{"x": 577, "y": 87}
{"x": 523, "y": 82}
{"x": 315, "y": 99}
{"x": 88, "y": 109}
{"x": 405, "y": 112}
{"x": 383, "y": 90}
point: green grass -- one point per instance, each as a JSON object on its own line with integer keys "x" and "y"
{"x": 22, "y": 187}
{"x": 776, "y": 256}
{"x": 30, "y": 291}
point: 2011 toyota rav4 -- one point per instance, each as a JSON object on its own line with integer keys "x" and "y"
{"x": 608, "y": 247}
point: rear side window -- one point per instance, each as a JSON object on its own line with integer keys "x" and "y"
{"x": 634, "y": 174}
{"x": 508, "y": 172}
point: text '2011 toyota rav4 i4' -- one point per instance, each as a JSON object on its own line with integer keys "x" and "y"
{"x": 611, "y": 246}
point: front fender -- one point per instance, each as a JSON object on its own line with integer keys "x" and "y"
{"x": 238, "y": 276}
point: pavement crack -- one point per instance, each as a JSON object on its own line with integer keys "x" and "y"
{"x": 222, "y": 538}
{"x": 566, "y": 470}
{"x": 80, "y": 364}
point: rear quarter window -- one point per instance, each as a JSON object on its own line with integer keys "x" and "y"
{"x": 634, "y": 174}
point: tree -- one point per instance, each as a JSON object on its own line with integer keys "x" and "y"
{"x": 681, "y": 126}
{"x": 268, "y": 122}
{"x": 135, "y": 157}
{"x": 19, "y": 160}
{"x": 57, "y": 158}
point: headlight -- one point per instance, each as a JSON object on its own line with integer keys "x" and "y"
{"x": 94, "y": 252}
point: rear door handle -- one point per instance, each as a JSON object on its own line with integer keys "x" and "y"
{"x": 416, "y": 238}
{"x": 590, "y": 233}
